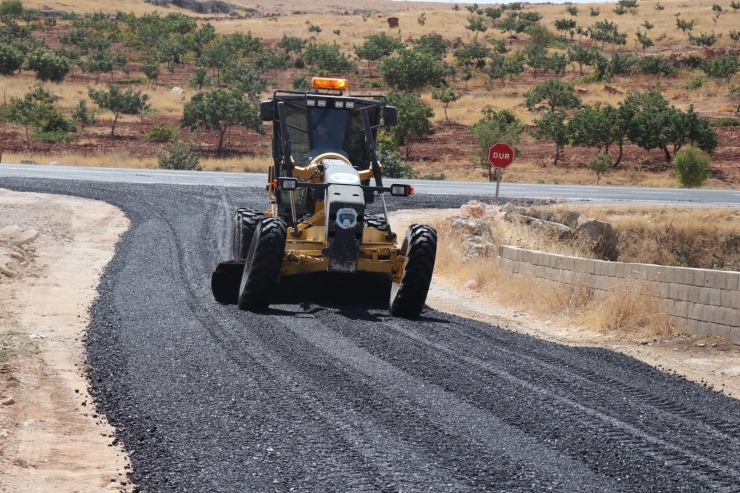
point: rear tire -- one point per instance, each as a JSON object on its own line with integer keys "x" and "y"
{"x": 245, "y": 222}
{"x": 263, "y": 263}
{"x": 409, "y": 295}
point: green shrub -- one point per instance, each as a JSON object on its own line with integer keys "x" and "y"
{"x": 11, "y": 8}
{"x": 432, "y": 176}
{"x": 393, "y": 165}
{"x": 83, "y": 115}
{"x": 696, "y": 83}
{"x": 55, "y": 137}
{"x": 134, "y": 80}
{"x": 313, "y": 28}
{"x": 692, "y": 167}
{"x": 371, "y": 83}
{"x": 725, "y": 122}
{"x": 601, "y": 165}
{"x": 301, "y": 83}
{"x": 161, "y": 132}
{"x": 180, "y": 157}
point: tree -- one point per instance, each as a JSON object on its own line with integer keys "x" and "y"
{"x": 495, "y": 127}
{"x": 723, "y": 67}
{"x": 150, "y": 67}
{"x": 329, "y": 57}
{"x": 179, "y": 156}
{"x": 48, "y": 65}
{"x": 512, "y": 25}
{"x": 564, "y": 25}
{"x": 446, "y": 95}
{"x": 583, "y": 56}
{"x": 552, "y": 127}
{"x": 476, "y": 24}
{"x": 572, "y": 10}
{"x": 431, "y": 44}
{"x": 376, "y": 48}
{"x": 413, "y": 120}
{"x": 11, "y": 8}
{"x": 734, "y": 36}
{"x": 644, "y": 41}
{"x": 422, "y": 19}
{"x": 198, "y": 41}
{"x": 683, "y": 25}
{"x": 119, "y": 102}
{"x": 245, "y": 79}
{"x": 493, "y": 13}
{"x": 703, "y": 39}
{"x": 595, "y": 12}
{"x": 220, "y": 110}
{"x": 500, "y": 67}
{"x": 692, "y": 167}
{"x": 274, "y": 61}
{"x": 630, "y": 6}
{"x": 293, "y": 45}
{"x": 82, "y": 115}
{"x": 539, "y": 35}
{"x": 657, "y": 65}
{"x": 599, "y": 126}
{"x": 412, "y": 70}
{"x": 472, "y": 55}
{"x": 600, "y": 164}
{"x": 393, "y": 165}
{"x": 606, "y": 32}
{"x": 735, "y": 5}
{"x": 218, "y": 56}
{"x": 11, "y": 59}
{"x": 658, "y": 6}
{"x": 536, "y": 57}
{"x": 99, "y": 62}
{"x": 557, "y": 63}
{"x": 555, "y": 93}
{"x": 36, "y": 109}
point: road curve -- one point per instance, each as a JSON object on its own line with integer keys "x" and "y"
{"x": 508, "y": 190}
{"x": 319, "y": 397}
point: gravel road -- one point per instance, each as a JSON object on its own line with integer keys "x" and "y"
{"x": 317, "y": 397}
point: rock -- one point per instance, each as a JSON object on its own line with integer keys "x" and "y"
{"x": 202, "y": 6}
{"x": 538, "y": 214}
{"x": 236, "y": 15}
{"x": 9, "y": 231}
{"x": 392, "y": 22}
{"x": 20, "y": 461}
{"x": 26, "y": 237}
{"x": 473, "y": 208}
{"x": 470, "y": 285}
{"x": 612, "y": 90}
{"x": 561, "y": 231}
{"x": 8, "y": 401}
{"x": 570, "y": 219}
{"x": 159, "y": 3}
{"x": 509, "y": 207}
{"x": 176, "y": 90}
{"x": 471, "y": 226}
{"x": 5, "y": 262}
{"x": 601, "y": 235}
{"x": 3, "y": 433}
{"x": 87, "y": 368}
{"x": 477, "y": 247}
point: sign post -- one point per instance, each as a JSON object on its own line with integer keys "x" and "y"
{"x": 500, "y": 156}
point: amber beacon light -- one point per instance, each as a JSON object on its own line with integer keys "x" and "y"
{"x": 326, "y": 83}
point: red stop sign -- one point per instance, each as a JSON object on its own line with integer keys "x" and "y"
{"x": 501, "y": 155}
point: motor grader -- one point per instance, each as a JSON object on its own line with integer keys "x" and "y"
{"x": 319, "y": 187}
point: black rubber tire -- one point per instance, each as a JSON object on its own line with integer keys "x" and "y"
{"x": 263, "y": 263}
{"x": 245, "y": 222}
{"x": 420, "y": 248}
{"x": 376, "y": 221}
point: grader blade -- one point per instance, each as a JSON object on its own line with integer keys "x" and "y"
{"x": 225, "y": 281}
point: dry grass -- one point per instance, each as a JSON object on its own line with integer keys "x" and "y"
{"x": 626, "y": 311}
{"x": 240, "y": 164}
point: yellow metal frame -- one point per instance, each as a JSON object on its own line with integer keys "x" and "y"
{"x": 303, "y": 250}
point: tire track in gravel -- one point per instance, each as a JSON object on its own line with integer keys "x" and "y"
{"x": 316, "y": 397}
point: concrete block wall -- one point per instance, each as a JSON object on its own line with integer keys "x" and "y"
{"x": 705, "y": 301}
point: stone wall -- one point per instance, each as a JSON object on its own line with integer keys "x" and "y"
{"x": 705, "y": 301}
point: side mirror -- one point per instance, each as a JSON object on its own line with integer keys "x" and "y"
{"x": 390, "y": 116}
{"x": 267, "y": 112}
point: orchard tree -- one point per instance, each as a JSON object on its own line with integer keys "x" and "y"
{"x": 472, "y": 55}
{"x": 501, "y": 67}
{"x": 446, "y": 95}
{"x": 412, "y": 70}
{"x": 684, "y": 26}
{"x": 565, "y": 25}
{"x": 723, "y": 67}
{"x": 703, "y": 39}
{"x": 48, "y": 65}
{"x": 555, "y": 93}
{"x": 292, "y": 46}
{"x": 536, "y": 57}
{"x": 413, "y": 120}
{"x": 583, "y": 56}
{"x": 199, "y": 40}
{"x": 245, "y": 79}
{"x": 601, "y": 127}
{"x": 11, "y": 59}
{"x": 36, "y": 109}
{"x": 572, "y": 10}
{"x": 150, "y": 67}
{"x": 606, "y": 32}
{"x": 218, "y": 56}
{"x": 495, "y": 127}
{"x": 220, "y": 110}
{"x": 433, "y": 45}
{"x": 552, "y": 127}
{"x": 119, "y": 102}
{"x": 657, "y": 65}
{"x": 328, "y": 57}
{"x": 376, "y": 48}
{"x": 644, "y": 41}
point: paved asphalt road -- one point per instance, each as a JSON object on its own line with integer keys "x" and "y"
{"x": 511, "y": 190}
{"x": 320, "y": 397}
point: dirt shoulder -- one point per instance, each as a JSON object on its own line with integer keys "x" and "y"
{"x": 51, "y": 439}
{"x": 707, "y": 360}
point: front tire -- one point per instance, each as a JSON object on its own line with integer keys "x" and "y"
{"x": 245, "y": 223}
{"x": 263, "y": 263}
{"x": 409, "y": 295}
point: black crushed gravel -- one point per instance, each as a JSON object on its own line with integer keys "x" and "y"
{"x": 318, "y": 397}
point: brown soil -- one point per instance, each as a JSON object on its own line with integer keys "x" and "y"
{"x": 51, "y": 439}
